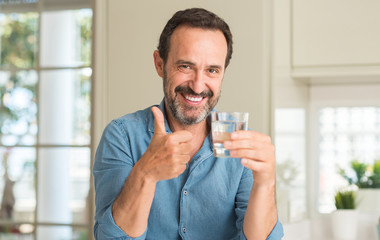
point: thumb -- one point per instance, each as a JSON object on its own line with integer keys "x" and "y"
{"x": 159, "y": 121}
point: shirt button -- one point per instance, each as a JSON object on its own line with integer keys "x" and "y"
{"x": 185, "y": 192}
{"x": 184, "y": 229}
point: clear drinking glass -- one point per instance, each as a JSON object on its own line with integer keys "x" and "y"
{"x": 222, "y": 125}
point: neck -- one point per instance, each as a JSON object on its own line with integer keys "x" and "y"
{"x": 196, "y": 129}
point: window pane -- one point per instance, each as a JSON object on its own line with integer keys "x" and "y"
{"x": 80, "y": 182}
{"x": 18, "y": 38}
{"x": 63, "y": 185}
{"x": 84, "y": 19}
{"x": 346, "y": 133}
{"x": 66, "y": 38}
{"x": 65, "y": 106}
{"x": 18, "y": 108}
{"x": 61, "y": 232}
{"x": 17, "y": 184}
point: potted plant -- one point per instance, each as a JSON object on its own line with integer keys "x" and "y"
{"x": 367, "y": 178}
{"x": 345, "y": 218}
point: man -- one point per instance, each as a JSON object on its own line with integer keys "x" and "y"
{"x": 155, "y": 173}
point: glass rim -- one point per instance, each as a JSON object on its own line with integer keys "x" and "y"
{"x": 227, "y": 112}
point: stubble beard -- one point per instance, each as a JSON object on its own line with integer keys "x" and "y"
{"x": 180, "y": 112}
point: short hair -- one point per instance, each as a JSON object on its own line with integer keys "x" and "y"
{"x": 198, "y": 18}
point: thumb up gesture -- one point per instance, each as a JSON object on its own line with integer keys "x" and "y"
{"x": 167, "y": 154}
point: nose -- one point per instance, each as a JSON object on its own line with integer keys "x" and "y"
{"x": 198, "y": 81}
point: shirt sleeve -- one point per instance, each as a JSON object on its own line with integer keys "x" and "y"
{"x": 113, "y": 164}
{"x": 277, "y": 232}
{"x": 242, "y": 197}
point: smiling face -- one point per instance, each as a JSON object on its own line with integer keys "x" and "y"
{"x": 193, "y": 73}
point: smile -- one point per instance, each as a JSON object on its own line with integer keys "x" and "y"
{"x": 193, "y": 98}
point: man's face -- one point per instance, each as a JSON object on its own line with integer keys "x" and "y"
{"x": 193, "y": 73}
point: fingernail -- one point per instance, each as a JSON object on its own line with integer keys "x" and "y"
{"x": 227, "y": 144}
{"x": 234, "y": 135}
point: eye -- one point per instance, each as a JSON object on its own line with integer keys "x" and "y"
{"x": 184, "y": 67}
{"x": 213, "y": 70}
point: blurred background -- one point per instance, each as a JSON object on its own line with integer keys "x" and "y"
{"x": 45, "y": 121}
{"x": 308, "y": 72}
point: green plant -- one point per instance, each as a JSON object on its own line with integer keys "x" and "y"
{"x": 366, "y": 175}
{"x": 375, "y": 177}
{"x": 345, "y": 200}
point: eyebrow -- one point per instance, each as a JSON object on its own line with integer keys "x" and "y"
{"x": 193, "y": 64}
{"x": 216, "y": 66}
{"x": 185, "y": 62}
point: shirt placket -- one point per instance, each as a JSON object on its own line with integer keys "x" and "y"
{"x": 186, "y": 195}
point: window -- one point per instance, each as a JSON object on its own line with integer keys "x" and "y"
{"x": 45, "y": 111}
{"x": 345, "y": 134}
{"x": 344, "y": 125}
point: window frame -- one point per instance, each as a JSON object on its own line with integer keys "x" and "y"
{"x": 39, "y": 9}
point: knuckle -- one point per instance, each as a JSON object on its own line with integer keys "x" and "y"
{"x": 172, "y": 151}
{"x": 238, "y": 153}
{"x": 261, "y": 155}
{"x": 170, "y": 140}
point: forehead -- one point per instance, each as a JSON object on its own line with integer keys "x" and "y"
{"x": 198, "y": 42}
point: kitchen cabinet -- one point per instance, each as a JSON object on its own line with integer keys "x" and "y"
{"x": 335, "y": 38}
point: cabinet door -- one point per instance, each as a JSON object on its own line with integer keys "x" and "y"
{"x": 335, "y": 33}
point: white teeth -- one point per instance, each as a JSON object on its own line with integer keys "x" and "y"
{"x": 193, "y": 99}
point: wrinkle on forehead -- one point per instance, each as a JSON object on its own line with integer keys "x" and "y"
{"x": 200, "y": 46}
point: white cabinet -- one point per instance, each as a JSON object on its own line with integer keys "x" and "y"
{"x": 336, "y": 37}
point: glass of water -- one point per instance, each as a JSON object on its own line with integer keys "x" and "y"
{"x": 222, "y": 125}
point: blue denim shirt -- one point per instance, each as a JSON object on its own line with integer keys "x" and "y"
{"x": 207, "y": 201}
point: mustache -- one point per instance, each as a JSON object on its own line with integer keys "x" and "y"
{"x": 188, "y": 90}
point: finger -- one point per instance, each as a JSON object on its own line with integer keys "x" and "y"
{"x": 182, "y": 136}
{"x": 250, "y": 135}
{"x": 245, "y": 153}
{"x": 179, "y": 149}
{"x": 253, "y": 165}
{"x": 183, "y": 159}
{"x": 159, "y": 121}
{"x": 257, "y": 155}
{"x": 185, "y": 148}
{"x": 236, "y": 144}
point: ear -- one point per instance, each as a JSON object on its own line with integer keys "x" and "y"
{"x": 158, "y": 63}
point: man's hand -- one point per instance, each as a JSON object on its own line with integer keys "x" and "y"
{"x": 165, "y": 158}
{"x": 257, "y": 153}
{"x": 167, "y": 154}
